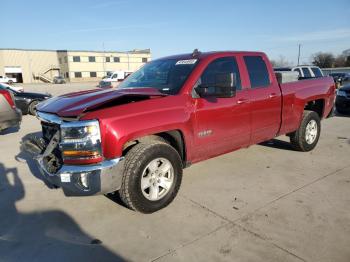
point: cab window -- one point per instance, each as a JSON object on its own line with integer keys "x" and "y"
{"x": 306, "y": 72}
{"x": 317, "y": 72}
{"x": 220, "y": 65}
{"x": 257, "y": 70}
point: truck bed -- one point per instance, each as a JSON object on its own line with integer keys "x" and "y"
{"x": 294, "y": 95}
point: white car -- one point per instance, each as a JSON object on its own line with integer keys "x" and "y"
{"x": 112, "y": 78}
{"x": 13, "y": 88}
{"x": 304, "y": 71}
{"x": 8, "y": 80}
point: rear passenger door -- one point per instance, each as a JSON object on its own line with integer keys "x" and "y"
{"x": 265, "y": 100}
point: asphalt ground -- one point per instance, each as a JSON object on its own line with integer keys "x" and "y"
{"x": 264, "y": 203}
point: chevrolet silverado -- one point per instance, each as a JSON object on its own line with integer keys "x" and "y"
{"x": 171, "y": 113}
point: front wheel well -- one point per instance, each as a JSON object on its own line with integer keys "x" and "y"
{"x": 174, "y": 138}
{"x": 316, "y": 106}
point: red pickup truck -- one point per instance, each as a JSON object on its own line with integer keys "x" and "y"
{"x": 173, "y": 112}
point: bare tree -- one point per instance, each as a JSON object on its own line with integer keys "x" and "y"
{"x": 323, "y": 60}
{"x": 340, "y": 61}
{"x": 281, "y": 62}
{"x": 347, "y": 62}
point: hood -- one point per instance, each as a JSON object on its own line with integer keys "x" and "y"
{"x": 74, "y": 104}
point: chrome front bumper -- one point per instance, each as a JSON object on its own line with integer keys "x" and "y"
{"x": 81, "y": 180}
{"x": 102, "y": 178}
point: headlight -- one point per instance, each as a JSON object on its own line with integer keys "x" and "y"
{"x": 341, "y": 93}
{"x": 81, "y": 142}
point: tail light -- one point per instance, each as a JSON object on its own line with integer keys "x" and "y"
{"x": 9, "y": 97}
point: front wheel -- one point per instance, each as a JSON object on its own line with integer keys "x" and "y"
{"x": 152, "y": 176}
{"x": 10, "y": 82}
{"x": 306, "y": 137}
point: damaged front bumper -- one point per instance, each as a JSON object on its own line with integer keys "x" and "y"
{"x": 102, "y": 178}
{"x": 75, "y": 180}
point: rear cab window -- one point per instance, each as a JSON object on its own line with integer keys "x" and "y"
{"x": 306, "y": 72}
{"x": 258, "y": 72}
{"x": 317, "y": 72}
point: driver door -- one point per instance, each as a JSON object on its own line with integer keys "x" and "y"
{"x": 222, "y": 124}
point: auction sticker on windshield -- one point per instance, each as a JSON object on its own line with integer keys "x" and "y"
{"x": 186, "y": 62}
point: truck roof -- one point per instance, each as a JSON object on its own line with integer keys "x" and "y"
{"x": 201, "y": 55}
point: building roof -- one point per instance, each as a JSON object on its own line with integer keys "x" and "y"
{"x": 134, "y": 51}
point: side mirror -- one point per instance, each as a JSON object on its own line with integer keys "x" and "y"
{"x": 224, "y": 86}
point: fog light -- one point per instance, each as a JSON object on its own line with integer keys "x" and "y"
{"x": 84, "y": 181}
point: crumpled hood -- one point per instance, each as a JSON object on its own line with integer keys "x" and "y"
{"x": 74, "y": 104}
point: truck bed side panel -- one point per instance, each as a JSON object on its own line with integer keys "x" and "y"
{"x": 297, "y": 94}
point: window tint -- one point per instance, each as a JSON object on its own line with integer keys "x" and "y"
{"x": 77, "y": 74}
{"x": 257, "y": 70}
{"x": 92, "y": 59}
{"x": 306, "y": 72}
{"x": 297, "y": 70}
{"x": 317, "y": 72}
{"x": 76, "y": 58}
{"x": 116, "y": 59}
{"x": 108, "y": 59}
{"x": 93, "y": 74}
{"x": 144, "y": 60}
{"x": 220, "y": 65}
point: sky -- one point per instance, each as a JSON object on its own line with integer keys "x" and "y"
{"x": 179, "y": 26}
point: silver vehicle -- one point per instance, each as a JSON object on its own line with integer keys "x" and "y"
{"x": 59, "y": 80}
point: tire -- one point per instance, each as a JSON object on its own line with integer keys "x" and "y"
{"x": 306, "y": 137}
{"x": 31, "y": 107}
{"x": 10, "y": 82}
{"x": 142, "y": 162}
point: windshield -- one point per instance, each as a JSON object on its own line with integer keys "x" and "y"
{"x": 167, "y": 75}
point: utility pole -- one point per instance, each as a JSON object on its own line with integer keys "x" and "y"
{"x": 299, "y": 54}
{"x": 127, "y": 52}
{"x": 104, "y": 59}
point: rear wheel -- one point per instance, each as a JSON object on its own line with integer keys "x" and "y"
{"x": 306, "y": 137}
{"x": 10, "y": 82}
{"x": 152, "y": 176}
{"x": 32, "y": 107}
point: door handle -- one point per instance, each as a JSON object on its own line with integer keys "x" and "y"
{"x": 242, "y": 101}
{"x": 272, "y": 95}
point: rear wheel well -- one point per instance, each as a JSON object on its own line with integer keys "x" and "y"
{"x": 173, "y": 138}
{"x": 316, "y": 106}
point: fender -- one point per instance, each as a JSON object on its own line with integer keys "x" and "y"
{"x": 124, "y": 123}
